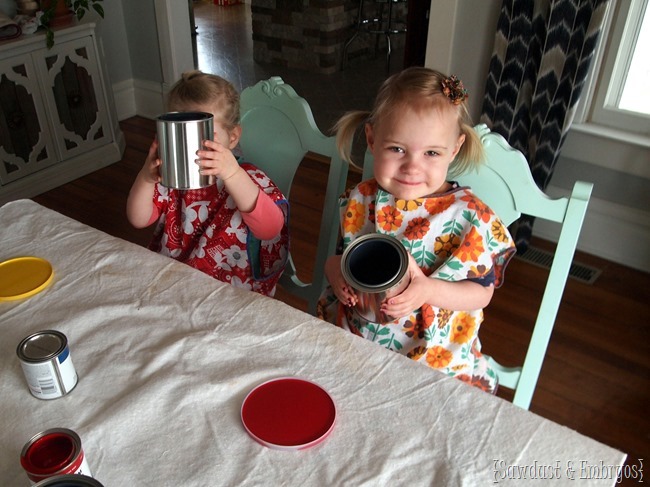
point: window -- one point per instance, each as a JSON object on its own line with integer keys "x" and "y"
{"x": 620, "y": 98}
{"x": 636, "y": 96}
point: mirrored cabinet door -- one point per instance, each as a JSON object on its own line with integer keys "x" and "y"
{"x": 25, "y": 142}
{"x": 72, "y": 88}
{"x": 57, "y": 114}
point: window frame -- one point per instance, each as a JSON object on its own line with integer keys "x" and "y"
{"x": 597, "y": 110}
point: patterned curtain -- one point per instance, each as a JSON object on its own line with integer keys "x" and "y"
{"x": 542, "y": 53}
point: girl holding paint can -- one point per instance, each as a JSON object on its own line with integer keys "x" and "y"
{"x": 235, "y": 228}
{"x": 420, "y": 135}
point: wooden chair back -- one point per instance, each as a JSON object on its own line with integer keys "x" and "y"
{"x": 278, "y": 130}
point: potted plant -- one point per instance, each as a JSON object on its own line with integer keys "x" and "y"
{"x": 58, "y": 12}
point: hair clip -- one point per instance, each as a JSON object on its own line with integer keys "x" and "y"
{"x": 453, "y": 89}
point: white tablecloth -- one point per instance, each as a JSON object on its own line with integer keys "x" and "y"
{"x": 166, "y": 355}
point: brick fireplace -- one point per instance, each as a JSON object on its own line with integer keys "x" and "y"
{"x": 306, "y": 34}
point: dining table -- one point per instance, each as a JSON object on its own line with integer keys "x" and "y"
{"x": 167, "y": 356}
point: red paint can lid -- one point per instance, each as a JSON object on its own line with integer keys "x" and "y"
{"x": 288, "y": 413}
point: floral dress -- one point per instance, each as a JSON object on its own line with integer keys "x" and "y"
{"x": 204, "y": 229}
{"x": 452, "y": 236}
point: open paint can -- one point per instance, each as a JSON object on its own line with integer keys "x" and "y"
{"x": 54, "y": 452}
{"x": 180, "y": 135}
{"x": 376, "y": 266}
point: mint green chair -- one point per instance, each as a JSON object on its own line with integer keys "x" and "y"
{"x": 278, "y": 129}
{"x": 504, "y": 182}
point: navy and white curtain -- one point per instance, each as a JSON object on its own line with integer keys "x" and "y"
{"x": 542, "y": 53}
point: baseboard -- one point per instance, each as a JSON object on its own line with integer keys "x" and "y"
{"x": 610, "y": 231}
{"x": 124, "y": 96}
{"x": 138, "y": 97}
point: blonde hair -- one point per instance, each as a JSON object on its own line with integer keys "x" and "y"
{"x": 419, "y": 89}
{"x": 196, "y": 88}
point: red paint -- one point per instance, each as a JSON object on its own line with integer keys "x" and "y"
{"x": 53, "y": 452}
{"x": 288, "y": 413}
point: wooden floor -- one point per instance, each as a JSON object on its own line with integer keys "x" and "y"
{"x": 596, "y": 375}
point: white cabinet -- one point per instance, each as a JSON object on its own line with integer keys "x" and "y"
{"x": 57, "y": 115}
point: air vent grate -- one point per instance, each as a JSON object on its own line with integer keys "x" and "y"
{"x": 544, "y": 258}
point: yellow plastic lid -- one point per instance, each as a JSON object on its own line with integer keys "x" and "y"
{"x": 22, "y": 277}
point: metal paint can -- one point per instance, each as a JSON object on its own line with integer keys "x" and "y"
{"x": 376, "y": 266}
{"x": 180, "y": 135}
{"x": 47, "y": 365}
{"x": 69, "y": 481}
{"x": 53, "y": 452}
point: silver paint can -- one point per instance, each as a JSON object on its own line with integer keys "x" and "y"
{"x": 45, "y": 359}
{"x": 53, "y": 452}
{"x": 180, "y": 135}
{"x": 376, "y": 266}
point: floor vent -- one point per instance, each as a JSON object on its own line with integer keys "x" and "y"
{"x": 544, "y": 258}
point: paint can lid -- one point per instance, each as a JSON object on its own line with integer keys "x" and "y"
{"x": 288, "y": 413}
{"x": 22, "y": 277}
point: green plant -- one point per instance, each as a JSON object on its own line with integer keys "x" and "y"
{"x": 77, "y": 7}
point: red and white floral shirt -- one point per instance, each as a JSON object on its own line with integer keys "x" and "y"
{"x": 204, "y": 229}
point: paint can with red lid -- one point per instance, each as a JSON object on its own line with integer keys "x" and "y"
{"x": 53, "y": 452}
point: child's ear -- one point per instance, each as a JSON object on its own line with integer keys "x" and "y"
{"x": 235, "y": 135}
{"x": 459, "y": 144}
{"x": 370, "y": 137}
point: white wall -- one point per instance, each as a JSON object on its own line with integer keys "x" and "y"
{"x": 8, "y": 7}
{"x": 160, "y": 50}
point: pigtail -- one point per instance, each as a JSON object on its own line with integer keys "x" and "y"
{"x": 471, "y": 154}
{"x": 345, "y": 128}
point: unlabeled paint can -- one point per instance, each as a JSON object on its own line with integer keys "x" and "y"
{"x": 53, "y": 452}
{"x": 47, "y": 365}
{"x": 180, "y": 135}
{"x": 376, "y": 266}
{"x": 69, "y": 481}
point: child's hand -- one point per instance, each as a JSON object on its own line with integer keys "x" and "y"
{"x": 150, "y": 171}
{"x": 413, "y": 297}
{"x": 341, "y": 288}
{"x": 217, "y": 161}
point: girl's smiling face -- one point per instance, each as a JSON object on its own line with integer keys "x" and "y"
{"x": 412, "y": 150}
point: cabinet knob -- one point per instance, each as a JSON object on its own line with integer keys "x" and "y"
{"x": 15, "y": 120}
{"x": 74, "y": 99}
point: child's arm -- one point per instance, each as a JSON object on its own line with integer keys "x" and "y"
{"x": 459, "y": 295}
{"x": 139, "y": 204}
{"x": 266, "y": 220}
{"x": 263, "y": 217}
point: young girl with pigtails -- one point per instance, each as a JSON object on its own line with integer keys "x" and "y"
{"x": 420, "y": 135}
{"x": 235, "y": 230}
